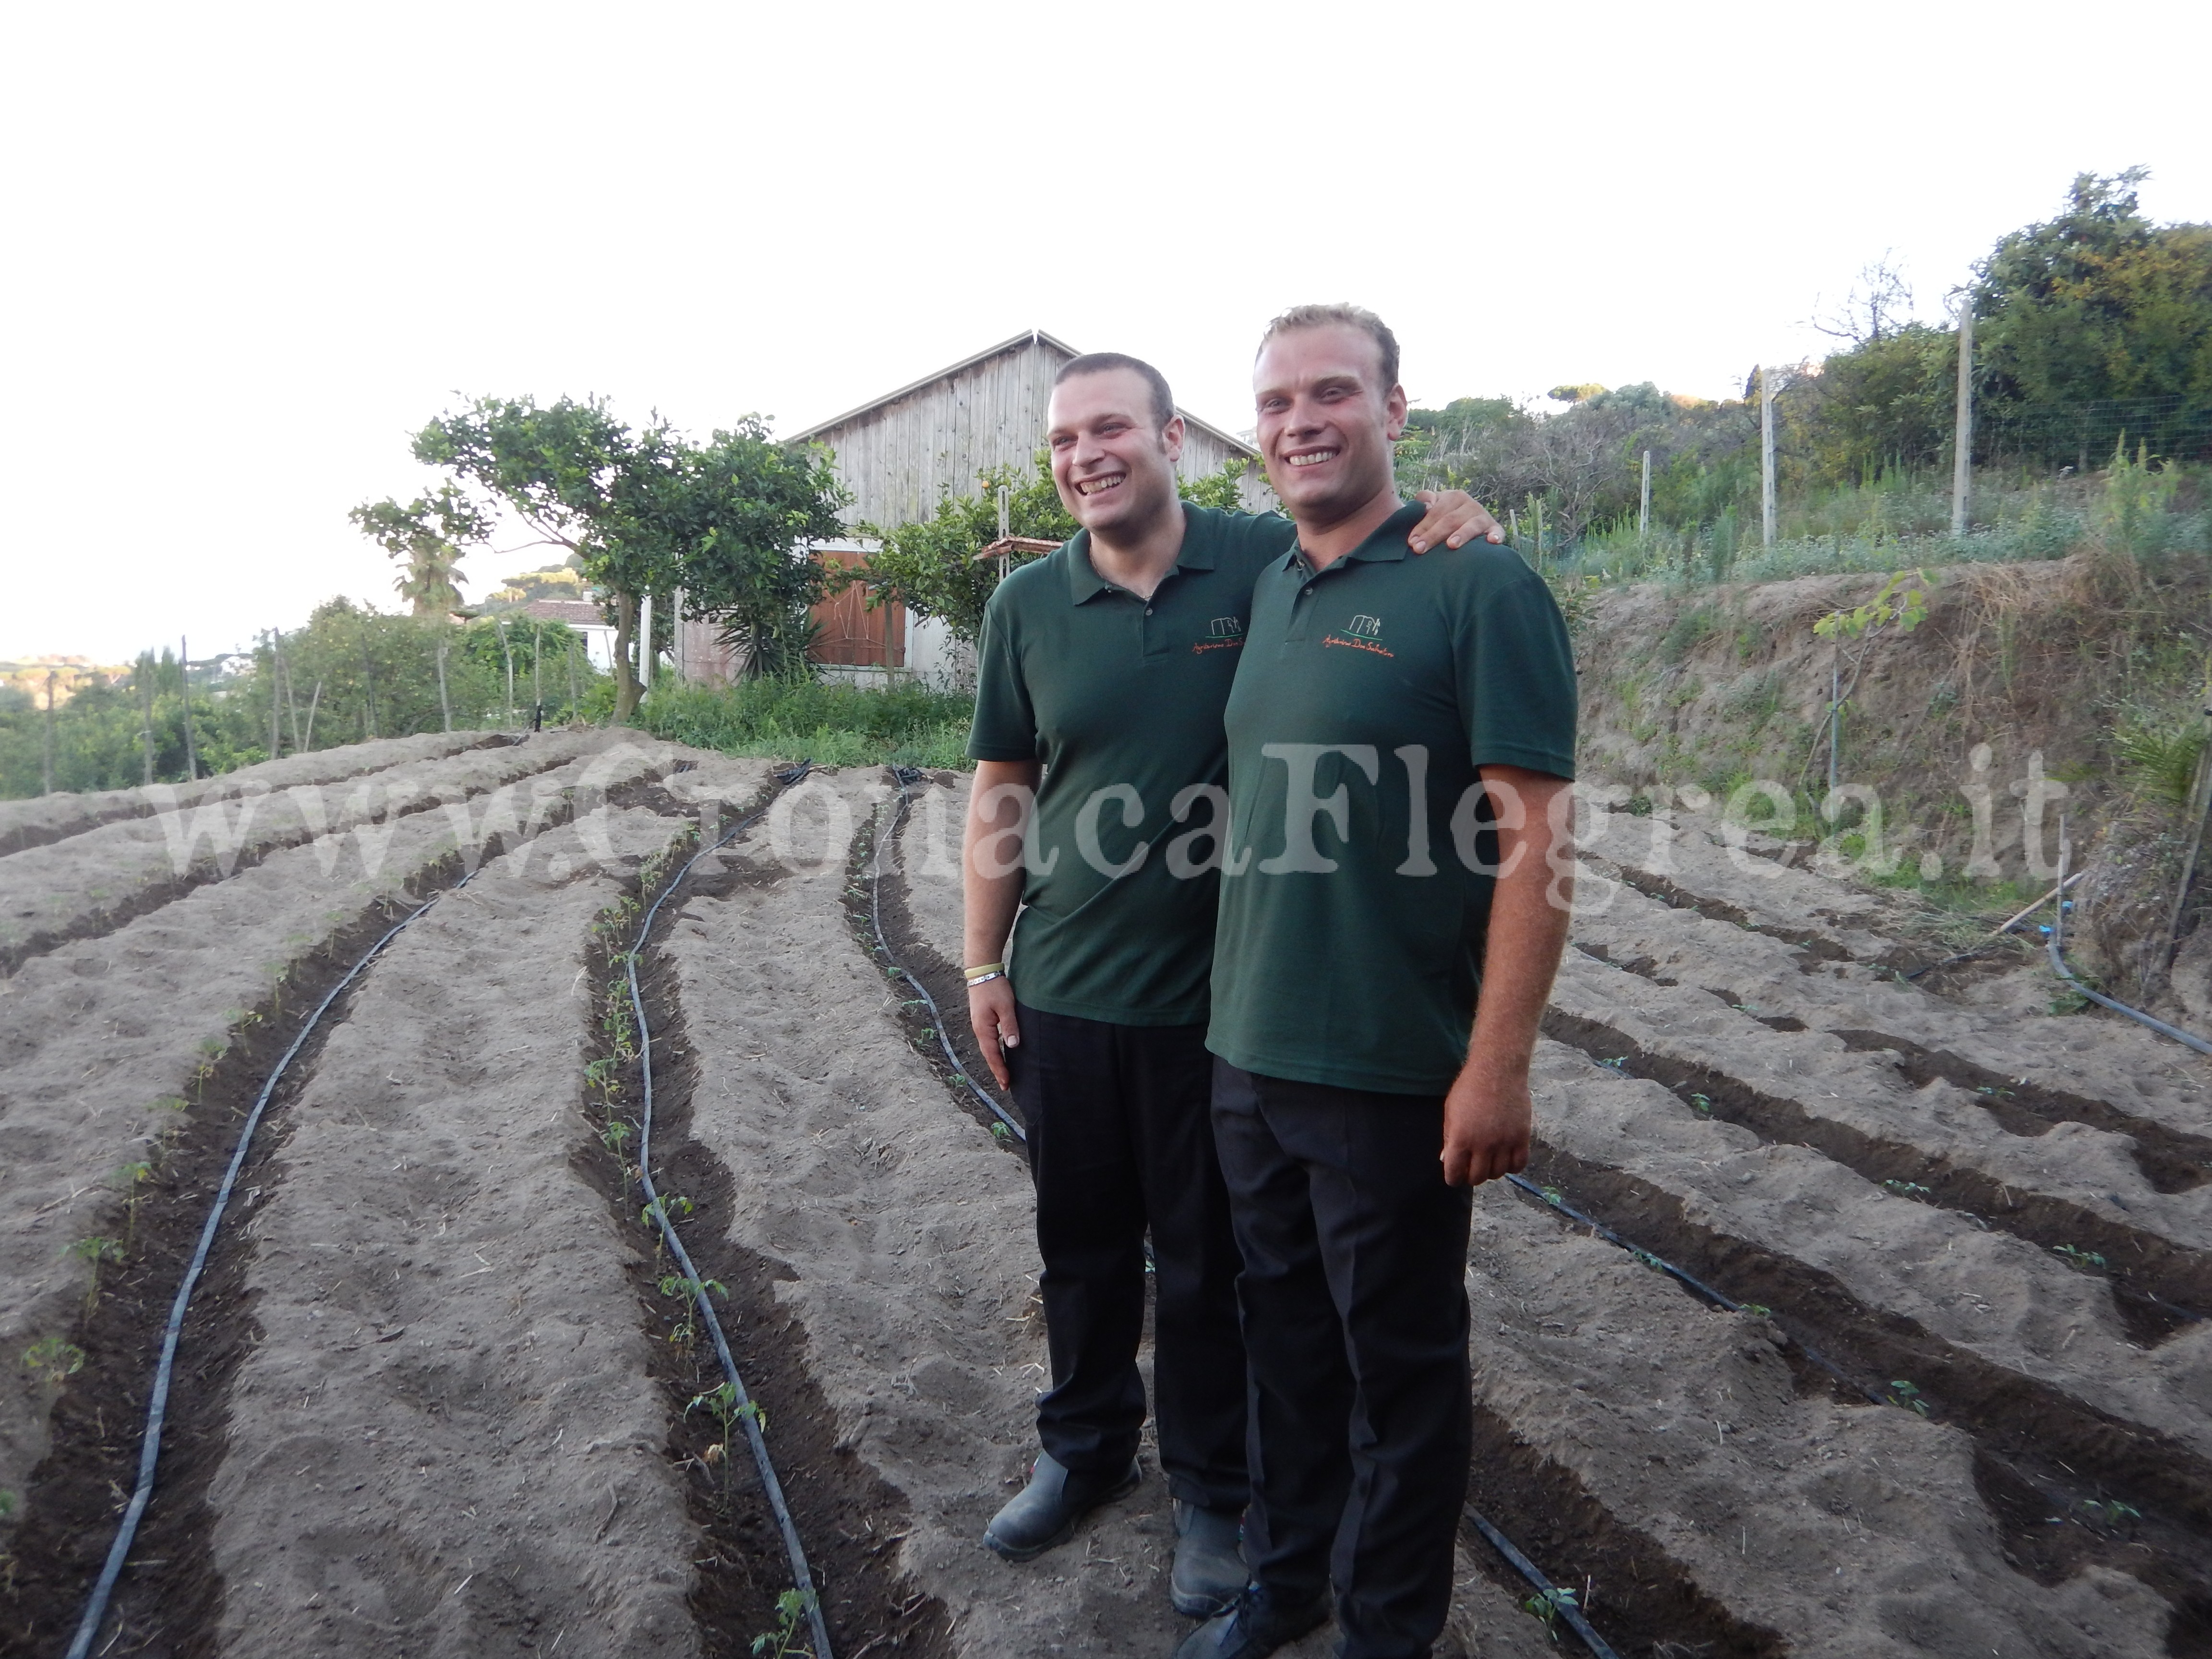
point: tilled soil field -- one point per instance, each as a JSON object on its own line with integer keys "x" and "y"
{"x": 1839, "y": 1314}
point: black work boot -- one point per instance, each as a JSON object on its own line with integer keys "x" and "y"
{"x": 1209, "y": 1560}
{"x": 1256, "y": 1626}
{"x": 1044, "y": 1512}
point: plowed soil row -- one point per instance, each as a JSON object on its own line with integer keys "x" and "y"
{"x": 91, "y": 883}
{"x": 45, "y": 818}
{"x": 113, "y": 1043}
{"x": 181, "y": 1600}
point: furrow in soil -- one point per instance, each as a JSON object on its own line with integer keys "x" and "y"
{"x": 94, "y": 883}
{"x": 2075, "y": 1192}
{"x": 132, "y": 1059}
{"x": 1727, "y": 1503}
{"x": 2088, "y": 1449}
{"x": 454, "y": 1442}
{"x": 45, "y": 818}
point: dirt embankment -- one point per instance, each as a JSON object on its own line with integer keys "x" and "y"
{"x": 1976, "y": 732}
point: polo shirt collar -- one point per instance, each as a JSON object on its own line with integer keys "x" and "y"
{"x": 1084, "y": 581}
{"x": 1386, "y": 546}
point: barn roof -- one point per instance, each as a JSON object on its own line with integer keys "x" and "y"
{"x": 1027, "y": 337}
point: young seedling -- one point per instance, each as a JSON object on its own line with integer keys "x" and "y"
{"x": 1903, "y": 1394}
{"x": 686, "y": 1330}
{"x": 616, "y": 1136}
{"x": 132, "y": 1176}
{"x": 1906, "y": 1189}
{"x": 722, "y": 1403}
{"x": 96, "y": 1249}
{"x": 1553, "y": 1196}
{"x": 2110, "y": 1512}
{"x": 1702, "y": 1105}
{"x": 53, "y": 1361}
{"x": 673, "y": 1206}
{"x": 1757, "y": 1309}
{"x": 1619, "y": 1062}
{"x": 2087, "y": 1261}
{"x": 786, "y": 1640}
{"x": 1546, "y": 1605}
{"x": 1001, "y": 1134}
{"x": 7, "y": 1504}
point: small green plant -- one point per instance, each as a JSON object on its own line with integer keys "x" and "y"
{"x": 1906, "y": 1189}
{"x": 1001, "y": 1134}
{"x": 1554, "y": 1197}
{"x": 1650, "y": 1260}
{"x": 7, "y": 1503}
{"x": 1904, "y": 1394}
{"x": 97, "y": 1249}
{"x": 614, "y": 1137}
{"x": 785, "y": 1641}
{"x": 686, "y": 1329}
{"x": 1756, "y": 1309}
{"x": 1702, "y": 1105}
{"x": 2087, "y": 1261}
{"x": 2110, "y": 1512}
{"x": 133, "y": 1176}
{"x": 53, "y": 1361}
{"x": 671, "y": 1206}
{"x": 1546, "y": 1607}
{"x": 1619, "y": 1062}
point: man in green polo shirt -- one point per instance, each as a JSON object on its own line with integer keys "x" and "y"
{"x": 1400, "y": 738}
{"x": 1102, "y": 669}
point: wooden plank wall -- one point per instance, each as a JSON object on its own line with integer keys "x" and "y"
{"x": 901, "y": 458}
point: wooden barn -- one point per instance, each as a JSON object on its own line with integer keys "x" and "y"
{"x": 903, "y": 452}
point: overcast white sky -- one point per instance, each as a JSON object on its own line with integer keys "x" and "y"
{"x": 250, "y": 248}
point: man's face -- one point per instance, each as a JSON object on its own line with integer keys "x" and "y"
{"x": 1114, "y": 468}
{"x": 1326, "y": 422}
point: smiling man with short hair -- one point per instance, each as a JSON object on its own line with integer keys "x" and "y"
{"x": 1098, "y": 814}
{"x": 1401, "y": 737}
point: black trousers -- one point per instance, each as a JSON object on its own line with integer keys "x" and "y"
{"x": 1119, "y": 1139}
{"x": 1354, "y": 1304}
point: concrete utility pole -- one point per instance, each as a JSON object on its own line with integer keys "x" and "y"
{"x": 185, "y": 685}
{"x": 1643, "y": 508}
{"x": 679, "y": 661}
{"x": 645, "y": 643}
{"x": 46, "y": 765}
{"x": 1962, "y": 442}
{"x": 1766, "y": 456}
{"x": 146, "y": 710}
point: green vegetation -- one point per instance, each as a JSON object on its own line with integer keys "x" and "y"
{"x": 2094, "y": 343}
{"x": 788, "y": 1639}
{"x": 931, "y": 566}
{"x": 905, "y": 725}
{"x": 350, "y": 675}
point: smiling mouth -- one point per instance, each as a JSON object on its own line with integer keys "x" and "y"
{"x": 1099, "y": 486}
{"x": 1311, "y": 456}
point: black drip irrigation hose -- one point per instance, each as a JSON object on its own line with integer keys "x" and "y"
{"x": 1551, "y": 1199}
{"x": 907, "y": 777}
{"x": 742, "y": 1407}
{"x": 1561, "y": 1602}
{"x": 157, "y": 1407}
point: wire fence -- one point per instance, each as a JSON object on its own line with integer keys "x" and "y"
{"x": 2086, "y": 434}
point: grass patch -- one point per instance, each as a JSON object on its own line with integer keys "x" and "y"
{"x": 829, "y": 724}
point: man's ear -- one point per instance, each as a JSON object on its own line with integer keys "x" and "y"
{"x": 1393, "y": 414}
{"x": 1172, "y": 436}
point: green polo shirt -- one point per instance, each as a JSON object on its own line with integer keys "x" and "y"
{"x": 1353, "y": 919}
{"x": 1121, "y": 698}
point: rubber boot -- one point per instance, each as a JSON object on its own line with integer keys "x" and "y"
{"x": 1209, "y": 1560}
{"x": 1044, "y": 1512}
{"x": 1255, "y": 1627}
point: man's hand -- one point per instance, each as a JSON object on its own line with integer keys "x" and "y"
{"x": 991, "y": 1017}
{"x": 1487, "y": 1123}
{"x": 1455, "y": 517}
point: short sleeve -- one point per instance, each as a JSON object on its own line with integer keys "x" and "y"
{"x": 1005, "y": 728}
{"x": 1516, "y": 673}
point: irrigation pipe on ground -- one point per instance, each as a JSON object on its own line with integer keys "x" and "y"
{"x": 1560, "y": 1602}
{"x": 802, "y": 1574}
{"x": 2058, "y": 966}
{"x": 157, "y": 1407}
{"x": 906, "y": 777}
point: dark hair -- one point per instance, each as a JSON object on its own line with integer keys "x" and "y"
{"x": 1103, "y": 362}
{"x": 1351, "y": 316}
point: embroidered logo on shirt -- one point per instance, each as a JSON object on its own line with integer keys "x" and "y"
{"x": 1224, "y": 628}
{"x": 1364, "y": 632}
